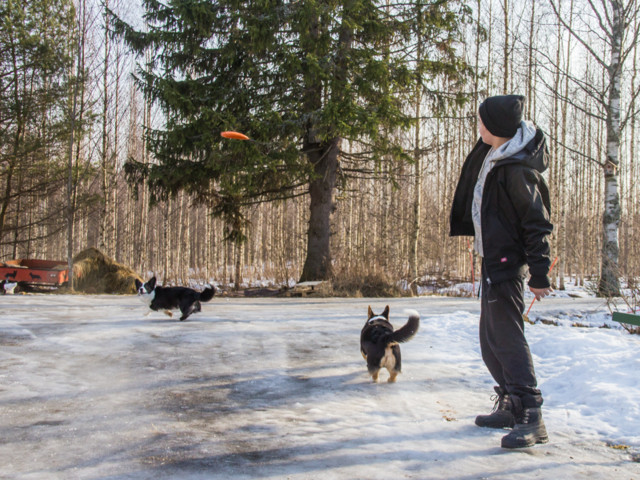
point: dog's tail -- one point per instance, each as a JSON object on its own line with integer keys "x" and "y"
{"x": 207, "y": 294}
{"x": 408, "y": 330}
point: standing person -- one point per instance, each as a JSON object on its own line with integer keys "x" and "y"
{"x": 503, "y": 201}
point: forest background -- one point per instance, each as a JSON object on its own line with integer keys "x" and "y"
{"x": 72, "y": 117}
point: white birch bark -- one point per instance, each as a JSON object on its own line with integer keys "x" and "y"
{"x": 609, "y": 281}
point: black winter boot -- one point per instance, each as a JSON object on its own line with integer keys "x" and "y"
{"x": 528, "y": 430}
{"x": 503, "y": 414}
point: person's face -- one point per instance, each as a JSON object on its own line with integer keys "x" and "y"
{"x": 486, "y": 135}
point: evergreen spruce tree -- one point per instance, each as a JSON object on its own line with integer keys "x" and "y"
{"x": 298, "y": 77}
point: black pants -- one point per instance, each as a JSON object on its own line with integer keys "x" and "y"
{"x": 505, "y": 350}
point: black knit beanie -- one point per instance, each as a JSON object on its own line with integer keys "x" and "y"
{"x": 502, "y": 114}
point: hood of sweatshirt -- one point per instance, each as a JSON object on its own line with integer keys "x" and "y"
{"x": 527, "y": 147}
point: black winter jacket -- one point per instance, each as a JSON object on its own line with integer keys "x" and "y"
{"x": 514, "y": 212}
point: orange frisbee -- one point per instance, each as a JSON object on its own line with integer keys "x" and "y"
{"x": 234, "y": 135}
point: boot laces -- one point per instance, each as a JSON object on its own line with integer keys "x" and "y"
{"x": 495, "y": 398}
{"x": 501, "y": 402}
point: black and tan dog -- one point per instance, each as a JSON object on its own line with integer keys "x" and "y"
{"x": 165, "y": 298}
{"x": 379, "y": 342}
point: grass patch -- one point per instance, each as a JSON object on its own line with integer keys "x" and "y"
{"x": 367, "y": 285}
{"x": 93, "y": 272}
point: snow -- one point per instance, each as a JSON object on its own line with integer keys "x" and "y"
{"x": 92, "y": 387}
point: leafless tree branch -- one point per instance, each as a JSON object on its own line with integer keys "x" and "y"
{"x": 575, "y": 35}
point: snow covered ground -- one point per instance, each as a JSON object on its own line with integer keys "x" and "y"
{"x": 91, "y": 388}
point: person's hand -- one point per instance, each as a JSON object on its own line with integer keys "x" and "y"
{"x": 540, "y": 293}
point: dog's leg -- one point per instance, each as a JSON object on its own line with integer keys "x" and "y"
{"x": 189, "y": 309}
{"x": 391, "y": 361}
{"x": 169, "y": 313}
{"x": 186, "y": 312}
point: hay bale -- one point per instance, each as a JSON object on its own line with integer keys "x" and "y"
{"x": 95, "y": 273}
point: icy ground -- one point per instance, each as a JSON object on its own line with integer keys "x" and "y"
{"x": 90, "y": 388}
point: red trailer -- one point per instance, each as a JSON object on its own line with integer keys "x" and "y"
{"x": 35, "y": 272}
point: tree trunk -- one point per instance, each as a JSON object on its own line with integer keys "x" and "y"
{"x": 417, "y": 202}
{"x": 70, "y": 188}
{"x": 417, "y": 179}
{"x": 609, "y": 277}
{"x": 505, "y": 48}
{"x": 530, "y": 68}
{"x": 317, "y": 265}
{"x": 237, "y": 282}
{"x": 104, "y": 154}
{"x": 323, "y": 155}
{"x": 476, "y": 73}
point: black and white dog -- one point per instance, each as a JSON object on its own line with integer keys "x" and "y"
{"x": 7, "y": 287}
{"x": 379, "y": 343}
{"x": 165, "y": 298}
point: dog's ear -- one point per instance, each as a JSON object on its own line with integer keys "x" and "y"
{"x": 152, "y": 283}
{"x": 370, "y": 312}
{"x": 138, "y": 284}
{"x": 385, "y": 314}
